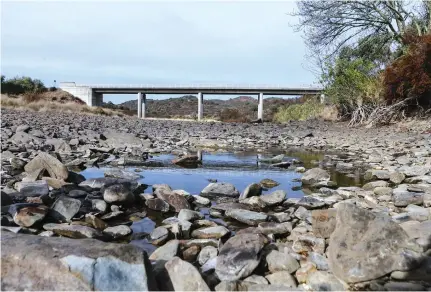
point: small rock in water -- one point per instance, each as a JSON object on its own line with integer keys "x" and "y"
{"x": 189, "y": 215}
{"x": 159, "y": 235}
{"x": 120, "y": 173}
{"x": 208, "y": 252}
{"x": 251, "y": 190}
{"x": 268, "y": 183}
{"x": 246, "y": 216}
{"x": 220, "y": 189}
{"x": 274, "y": 198}
{"x": 315, "y": 175}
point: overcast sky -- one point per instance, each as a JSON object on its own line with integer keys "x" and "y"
{"x": 154, "y": 42}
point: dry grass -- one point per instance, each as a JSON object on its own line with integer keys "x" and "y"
{"x": 329, "y": 113}
{"x": 41, "y": 105}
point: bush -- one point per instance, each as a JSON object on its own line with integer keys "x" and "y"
{"x": 409, "y": 76}
{"x": 299, "y": 112}
{"x": 232, "y": 115}
{"x": 21, "y": 85}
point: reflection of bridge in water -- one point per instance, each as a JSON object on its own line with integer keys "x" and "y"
{"x": 92, "y": 95}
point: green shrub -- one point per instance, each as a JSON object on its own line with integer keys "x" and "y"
{"x": 21, "y": 85}
{"x": 299, "y": 112}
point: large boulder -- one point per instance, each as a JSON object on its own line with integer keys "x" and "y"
{"x": 275, "y": 198}
{"x": 118, "y": 194}
{"x": 315, "y": 175}
{"x": 367, "y": 245}
{"x": 31, "y": 262}
{"x": 49, "y": 163}
{"x": 220, "y": 189}
{"x": 176, "y": 201}
{"x": 239, "y": 256}
{"x": 184, "y": 276}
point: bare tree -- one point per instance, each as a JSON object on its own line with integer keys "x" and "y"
{"x": 330, "y": 25}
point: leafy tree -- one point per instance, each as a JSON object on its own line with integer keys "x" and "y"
{"x": 330, "y": 25}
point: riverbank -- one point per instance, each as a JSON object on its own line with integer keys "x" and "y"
{"x": 224, "y": 237}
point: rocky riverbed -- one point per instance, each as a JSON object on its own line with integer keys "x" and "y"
{"x": 61, "y": 230}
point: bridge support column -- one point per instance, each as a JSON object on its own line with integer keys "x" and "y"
{"x": 139, "y": 105}
{"x": 260, "y": 107}
{"x": 200, "y": 106}
{"x": 144, "y": 106}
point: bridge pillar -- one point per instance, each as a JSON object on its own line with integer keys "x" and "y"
{"x": 144, "y": 106}
{"x": 260, "y": 107}
{"x": 139, "y": 105}
{"x": 200, "y": 106}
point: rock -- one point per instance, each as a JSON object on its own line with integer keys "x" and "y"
{"x": 86, "y": 264}
{"x": 418, "y": 213}
{"x": 64, "y": 208}
{"x": 275, "y": 198}
{"x": 246, "y": 216}
{"x": 319, "y": 260}
{"x": 97, "y": 223}
{"x": 189, "y": 215}
{"x": 118, "y": 231}
{"x": 377, "y": 174}
{"x": 118, "y": 194}
{"x": 255, "y": 203}
{"x": 99, "y": 205}
{"x": 403, "y": 286}
{"x": 6, "y": 199}
{"x": 304, "y": 271}
{"x": 227, "y": 286}
{"x": 184, "y": 276}
{"x": 175, "y": 201}
{"x": 281, "y": 217}
{"x": 191, "y": 161}
{"x": 315, "y": 175}
{"x": 396, "y": 177}
{"x": 421, "y": 273}
{"x": 303, "y": 214}
{"x": 251, "y": 190}
{"x": 239, "y": 256}
{"x": 159, "y": 235}
{"x": 75, "y": 231}
{"x": 27, "y": 215}
{"x": 210, "y": 232}
{"x": 324, "y": 281}
{"x": 103, "y": 182}
{"x": 323, "y": 222}
{"x": 33, "y": 189}
{"x": 383, "y": 191}
{"x": 121, "y": 173}
{"x": 191, "y": 253}
{"x": 366, "y": 246}
{"x": 17, "y": 164}
{"x": 117, "y": 139}
{"x": 416, "y": 170}
{"x": 374, "y": 184}
{"x": 255, "y": 279}
{"x": 308, "y": 243}
{"x": 77, "y": 194}
{"x": 220, "y": 189}
{"x": 22, "y": 137}
{"x": 112, "y": 215}
{"x": 300, "y": 169}
{"x": 157, "y": 204}
{"x": 310, "y": 202}
{"x": 403, "y": 197}
{"x": 282, "y": 278}
{"x": 264, "y": 287}
{"x": 201, "y": 201}
{"x": 268, "y": 183}
{"x": 278, "y": 261}
{"x": 52, "y": 165}
{"x": 274, "y": 228}
{"x": 208, "y": 252}
{"x": 229, "y": 206}
{"x": 166, "y": 252}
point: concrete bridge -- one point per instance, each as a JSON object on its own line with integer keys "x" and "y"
{"x": 92, "y": 95}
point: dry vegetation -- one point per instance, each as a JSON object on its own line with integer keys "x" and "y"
{"x": 57, "y": 104}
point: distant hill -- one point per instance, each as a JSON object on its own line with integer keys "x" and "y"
{"x": 186, "y": 106}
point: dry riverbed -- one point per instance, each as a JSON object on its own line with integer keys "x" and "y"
{"x": 372, "y": 236}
